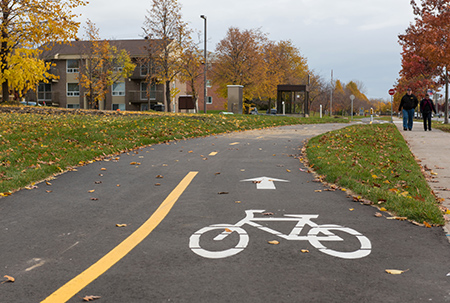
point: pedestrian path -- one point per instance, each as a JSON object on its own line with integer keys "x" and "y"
{"x": 432, "y": 150}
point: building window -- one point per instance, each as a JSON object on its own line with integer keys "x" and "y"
{"x": 118, "y": 89}
{"x": 118, "y": 107}
{"x": 73, "y": 90}
{"x": 208, "y": 100}
{"x": 152, "y": 91}
{"x": 144, "y": 70}
{"x": 73, "y": 65}
{"x": 73, "y": 105}
{"x": 44, "y": 92}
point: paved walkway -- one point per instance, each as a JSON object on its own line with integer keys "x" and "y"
{"x": 432, "y": 149}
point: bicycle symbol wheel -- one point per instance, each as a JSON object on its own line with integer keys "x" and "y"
{"x": 314, "y": 239}
{"x": 194, "y": 241}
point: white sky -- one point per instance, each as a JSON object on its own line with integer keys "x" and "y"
{"x": 357, "y": 39}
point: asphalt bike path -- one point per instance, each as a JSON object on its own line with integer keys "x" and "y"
{"x": 166, "y": 224}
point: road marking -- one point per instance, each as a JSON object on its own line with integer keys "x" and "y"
{"x": 264, "y": 182}
{"x": 75, "y": 285}
{"x": 213, "y": 153}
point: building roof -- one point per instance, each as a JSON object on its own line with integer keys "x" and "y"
{"x": 134, "y": 47}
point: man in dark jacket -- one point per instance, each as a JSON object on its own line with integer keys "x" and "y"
{"x": 426, "y": 107}
{"x": 408, "y": 103}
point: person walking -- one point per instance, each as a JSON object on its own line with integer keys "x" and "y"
{"x": 426, "y": 107}
{"x": 408, "y": 103}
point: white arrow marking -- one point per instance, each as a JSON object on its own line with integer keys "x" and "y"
{"x": 264, "y": 182}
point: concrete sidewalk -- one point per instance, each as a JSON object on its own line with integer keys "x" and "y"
{"x": 432, "y": 149}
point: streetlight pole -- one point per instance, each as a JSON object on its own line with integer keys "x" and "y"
{"x": 205, "y": 68}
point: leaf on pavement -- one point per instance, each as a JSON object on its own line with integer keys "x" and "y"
{"x": 274, "y": 242}
{"x": 268, "y": 214}
{"x": 426, "y": 224}
{"x": 91, "y": 298}
{"x": 94, "y": 199}
{"x": 91, "y": 191}
{"x": 121, "y": 225}
{"x": 102, "y": 168}
{"x": 159, "y": 177}
{"x": 228, "y": 230}
{"x": 305, "y": 251}
{"x": 397, "y": 218}
{"x": 395, "y": 271}
{"x": 378, "y": 215}
{"x": 383, "y": 209}
{"x": 223, "y": 193}
{"x": 8, "y": 279}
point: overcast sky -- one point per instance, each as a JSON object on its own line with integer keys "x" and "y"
{"x": 357, "y": 39}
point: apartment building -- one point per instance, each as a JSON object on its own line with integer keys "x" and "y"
{"x": 133, "y": 93}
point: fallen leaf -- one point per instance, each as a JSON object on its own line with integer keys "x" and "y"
{"x": 237, "y": 201}
{"x": 426, "y": 224}
{"x": 305, "y": 251}
{"x": 94, "y": 199}
{"x": 159, "y": 176}
{"x": 397, "y": 218}
{"x": 395, "y": 271}
{"x": 351, "y": 209}
{"x": 228, "y": 230}
{"x": 8, "y": 279}
{"x": 121, "y": 225}
{"x": 98, "y": 182}
{"x": 217, "y": 173}
{"x": 102, "y": 168}
{"x": 288, "y": 170}
{"x": 223, "y": 193}
{"x": 91, "y": 191}
{"x": 274, "y": 242}
{"x": 378, "y": 215}
{"x": 91, "y": 298}
{"x": 383, "y": 209}
{"x": 49, "y": 191}
{"x": 133, "y": 163}
{"x": 318, "y": 190}
{"x": 268, "y": 214}
{"x": 157, "y": 184}
{"x": 48, "y": 183}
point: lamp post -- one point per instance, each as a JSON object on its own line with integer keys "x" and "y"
{"x": 205, "y": 68}
{"x": 352, "y": 97}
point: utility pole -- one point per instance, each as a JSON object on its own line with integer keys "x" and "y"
{"x": 206, "y": 68}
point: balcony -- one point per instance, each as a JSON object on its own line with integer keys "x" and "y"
{"x": 141, "y": 96}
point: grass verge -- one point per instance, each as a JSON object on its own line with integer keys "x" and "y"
{"x": 35, "y": 144}
{"x": 374, "y": 161}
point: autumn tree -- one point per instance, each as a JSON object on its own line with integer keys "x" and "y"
{"x": 283, "y": 64}
{"x": 25, "y": 25}
{"x": 102, "y": 65}
{"x": 238, "y": 61}
{"x": 191, "y": 69}
{"x": 429, "y": 38}
{"x": 164, "y": 21}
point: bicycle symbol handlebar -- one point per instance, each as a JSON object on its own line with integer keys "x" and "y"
{"x": 316, "y": 235}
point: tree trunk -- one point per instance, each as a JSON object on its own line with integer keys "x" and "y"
{"x": 168, "y": 109}
{"x": 5, "y": 91}
{"x": 446, "y": 97}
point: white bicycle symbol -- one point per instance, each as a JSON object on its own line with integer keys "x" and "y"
{"x": 316, "y": 235}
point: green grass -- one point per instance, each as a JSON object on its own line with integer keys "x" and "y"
{"x": 34, "y": 146}
{"x": 374, "y": 162}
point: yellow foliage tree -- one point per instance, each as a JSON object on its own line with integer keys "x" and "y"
{"x": 25, "y": 25}
{"x": 102, "y": 66}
